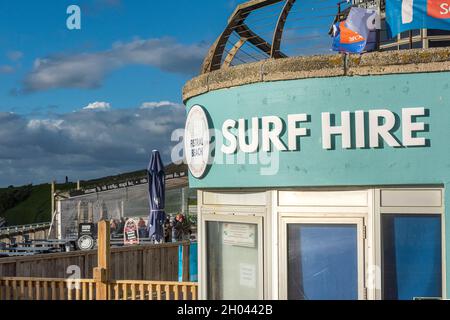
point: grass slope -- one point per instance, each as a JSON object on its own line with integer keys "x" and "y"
{"x": 36, "y": 208}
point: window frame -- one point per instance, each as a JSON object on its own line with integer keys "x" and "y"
{"x": 381, "y": 210}
{"x": 361, "y": 247}
{"x": 258, "y": 221}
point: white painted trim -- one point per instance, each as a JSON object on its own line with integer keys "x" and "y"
{"x": 314, "y": 211}
{"x": 412, "y": 210}
{"x": 235, "y": 210}
{"x": 323, "y": 198}
{"x": 234, "y": 198}
{"x": 268, "y": 251}
{"x": 377, "y": 236}
{"x": 202, "y": 248}
{"x": 410, "y": 198}
{"x": 275, "y": 245}
{"x": 371, "y": 276}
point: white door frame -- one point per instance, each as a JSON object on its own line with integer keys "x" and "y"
{"x": 361, "y": 247}
{"x": 258, "y": 221}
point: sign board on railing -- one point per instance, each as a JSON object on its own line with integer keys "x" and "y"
{"x": 86, "y": 235}
{"x": 131, "y": 232}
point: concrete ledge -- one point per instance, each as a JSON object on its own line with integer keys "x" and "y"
{"x": 197, "y": 86}
{"x": 375, "y": 63}
{"x": 303, "y": 67}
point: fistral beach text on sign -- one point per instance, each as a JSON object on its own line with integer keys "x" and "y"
{"x": 197, "y": 139}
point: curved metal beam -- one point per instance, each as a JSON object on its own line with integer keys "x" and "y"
{"x": 213, "y": 60}
{"x": 245, "y": 32}
{"x": 247, "y": 35}
{"x": 278, "y": 34}
{"x": 230, "y": 57}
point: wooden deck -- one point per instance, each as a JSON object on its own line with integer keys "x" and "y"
{"x": 100, "y": 274}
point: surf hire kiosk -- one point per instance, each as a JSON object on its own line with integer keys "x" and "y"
{"x": 319, "y": 184}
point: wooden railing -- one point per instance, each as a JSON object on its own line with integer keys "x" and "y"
{"x": 85, "y": 289}
{"x": 152, "y": 262}
{"x": 103, "y": 285}
{"x": 46, "y": 289}
{"x": 153, "y": 290}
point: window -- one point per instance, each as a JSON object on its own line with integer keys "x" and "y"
{"x": 438, "y": 43}
{"x": 434, "y": 32}
{"x": 411, "y": 256}
{"x": 233, "y": 261}
{"x": 405, "y": 34}
{"x": 322, "y": 262}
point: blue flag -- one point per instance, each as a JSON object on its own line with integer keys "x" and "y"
{"x": 404, "y": 15}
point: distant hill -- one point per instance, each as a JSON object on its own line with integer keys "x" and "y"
{"x": 32, "y": 204}
{"x": 34, "y": 208}
{"x": 170, "y": 169}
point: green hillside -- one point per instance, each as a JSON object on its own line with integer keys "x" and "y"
{"x": 34, "y": 209}
{"x": 32, "y": 204}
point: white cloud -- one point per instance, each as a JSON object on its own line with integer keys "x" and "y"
{"x": 6, "y": 69}
{"x": 83, "y": 145}
{"x": 48, "y": 124}
{"x": 14, "y": 55}
{"x": 88, "y": 70}
{"x": 98, "y": 106}
{"x": 151, "y": 105}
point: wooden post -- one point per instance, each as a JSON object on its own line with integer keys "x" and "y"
{"x": 53, "y": 197}
{"x": 186, "y": 262}
{"x": 102, "y": 272}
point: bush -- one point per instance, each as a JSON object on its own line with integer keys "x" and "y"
{"x": 13, "y": 196}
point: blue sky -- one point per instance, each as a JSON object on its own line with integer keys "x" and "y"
{"x": 94, "y": 102}
{"x": 31, "y": 30}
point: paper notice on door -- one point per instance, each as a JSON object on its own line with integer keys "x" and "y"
{"x": 243, "y": 235}
{"x": 247, "y": 275}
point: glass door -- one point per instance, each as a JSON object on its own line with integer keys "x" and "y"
{"x": 234, "y": 258}
{"x": 323, "y": 259}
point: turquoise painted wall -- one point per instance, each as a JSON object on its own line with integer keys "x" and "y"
{"x": 314, "y": 166}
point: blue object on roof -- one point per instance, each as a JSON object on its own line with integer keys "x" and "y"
{"x": 405, "y": 15}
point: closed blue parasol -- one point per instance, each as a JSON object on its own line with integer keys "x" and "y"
{"x": 156, "y": 195}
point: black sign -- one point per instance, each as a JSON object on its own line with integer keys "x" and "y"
{"x": 86, "y": 229}
{"x": 86, "y": 236}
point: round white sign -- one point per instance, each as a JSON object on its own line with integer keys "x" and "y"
{"x": 196, "y": 141}
{"x": 86, "y": 242}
